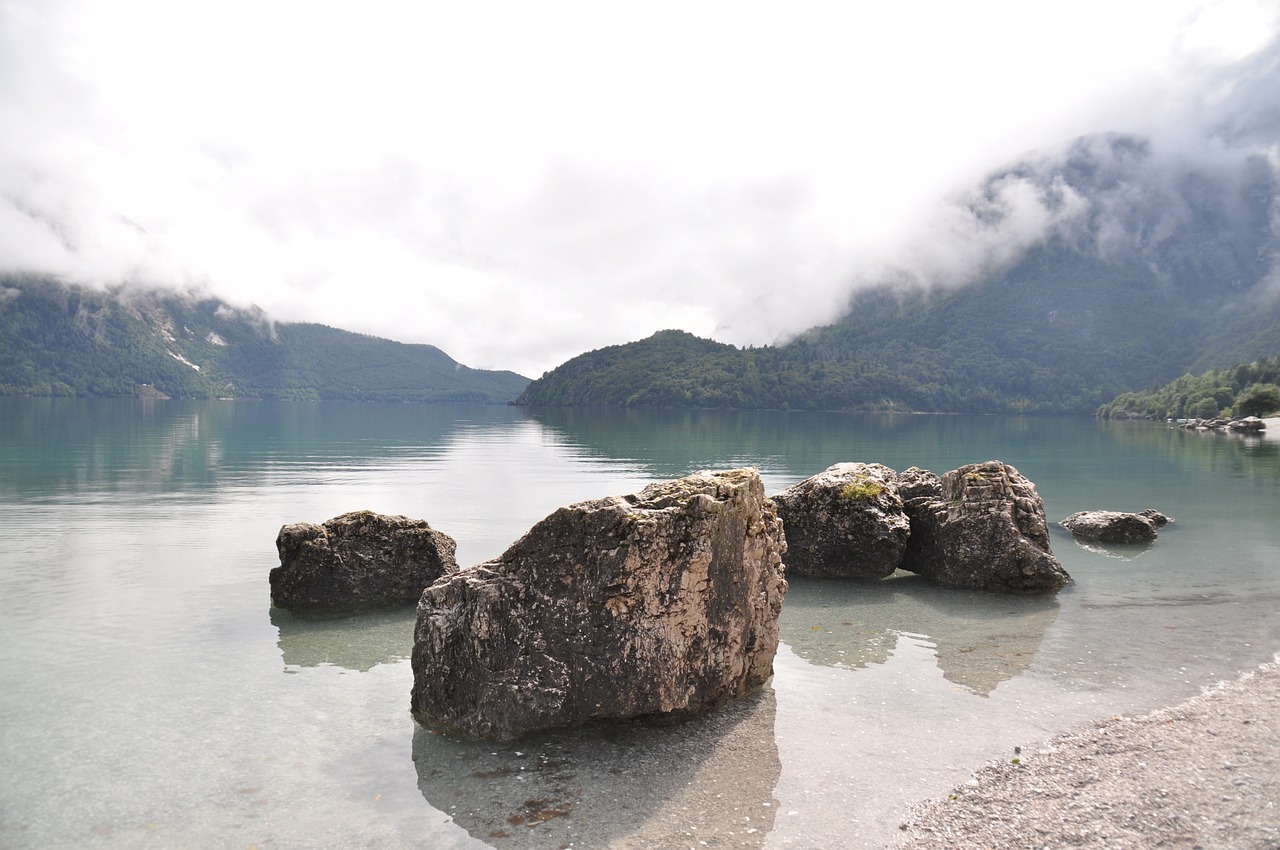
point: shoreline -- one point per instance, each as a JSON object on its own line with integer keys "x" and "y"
{"x": 1202, "y": 773}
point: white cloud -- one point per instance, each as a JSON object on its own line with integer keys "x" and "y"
{"x": 517, "y": 183}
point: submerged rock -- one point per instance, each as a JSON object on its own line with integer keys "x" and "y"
{"x": 981, "y": 526}
{"x": 660, "y": 604}
{"x": 358, "y": 561}
{"x": 1115, "y": 526}
{"x": 846, "y": 521}
{"x": 612, "y": 786}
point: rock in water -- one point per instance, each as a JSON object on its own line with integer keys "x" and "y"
{"x": 660, "y": 604}
{"x": 358, "y": 561}
{"x": 1157, "y": 518}
{"x": 981, "y": 526}
{"x": 846, "y": 521}
{"x": 1115, "y": 526}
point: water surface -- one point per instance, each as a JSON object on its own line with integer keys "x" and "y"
{"x": 151, "y": 697}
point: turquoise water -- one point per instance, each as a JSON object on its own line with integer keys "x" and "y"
{"x": 151, "y": 697}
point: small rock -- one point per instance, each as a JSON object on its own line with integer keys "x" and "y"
{"x": 358, "y": 561}
{"x": 1115, "y": 526}
{"x": 1157, "y": 518}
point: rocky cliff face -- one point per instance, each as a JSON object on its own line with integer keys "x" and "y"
{"x": 358, "y": 561}
{"x": 660, "y": 604}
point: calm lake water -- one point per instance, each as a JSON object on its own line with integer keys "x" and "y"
{"x": 151, "y": 697}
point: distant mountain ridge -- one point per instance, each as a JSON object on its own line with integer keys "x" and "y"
{"x": 1109, "y": 268}
{"x": 66, "y": 339}
{"x": 1142, "y": 267}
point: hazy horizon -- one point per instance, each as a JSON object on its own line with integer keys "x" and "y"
{"x": 518, "y": 184}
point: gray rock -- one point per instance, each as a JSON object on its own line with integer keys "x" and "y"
{"x": 846, "y": 521}
{"x": 662, "y": 604}
{"x": 917, "y": 483}
{"x": 1156, "y": 517}
{"x": 985, "y": 528}
{"x": 1115, "y": 526}
{"x": 1249, "y": 424}
{"x": 358, "y": 561}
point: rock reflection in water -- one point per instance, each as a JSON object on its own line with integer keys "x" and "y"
{"x": 1119, "y": 551}
{"x": 357, "y": 642}
{"x": 981, "y": 639}
{"x": 616, "y": 786}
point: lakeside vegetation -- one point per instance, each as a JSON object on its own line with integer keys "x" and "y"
{"x": 1245, "y": 389}
{"x": 676, "y": 369}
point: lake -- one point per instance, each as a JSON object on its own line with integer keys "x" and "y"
{"x": 150, "y": 696}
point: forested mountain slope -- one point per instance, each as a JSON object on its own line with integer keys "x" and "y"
{"x": 60, "y": 339}
{"x": 1142, "y": 268}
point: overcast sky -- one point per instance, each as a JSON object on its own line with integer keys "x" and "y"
{"x": 520, "y": 182}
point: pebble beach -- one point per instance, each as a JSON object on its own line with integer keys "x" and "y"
{"x": 1202, "y": 774}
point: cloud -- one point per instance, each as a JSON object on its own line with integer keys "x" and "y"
{"x": 517, "y": 183}
{"x": 1210, "y": 166}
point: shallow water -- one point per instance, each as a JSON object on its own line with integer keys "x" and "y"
{"x": 151, "y": 697}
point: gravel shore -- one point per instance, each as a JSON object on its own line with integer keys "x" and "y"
{"x": 1203, "y": 774}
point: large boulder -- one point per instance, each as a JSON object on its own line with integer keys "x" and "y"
{"x": 1115, "y": 526}
{"x": 358, "y": 561}
{"x": 662, "y": 604}
{"x": 980, "y": 526}
{"x": 846, "y": 521}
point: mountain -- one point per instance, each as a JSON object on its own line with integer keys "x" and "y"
{"x": 1140, "y": 266}
{"x": 64, "y": 339}
{"x": 673, "y": 368}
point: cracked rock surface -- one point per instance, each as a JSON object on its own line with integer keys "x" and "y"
{"x": 358, "y": 561}
{"x": 846, "y": 522}
{"x": 982, "y": 526}
{"x": 662, "y": 604}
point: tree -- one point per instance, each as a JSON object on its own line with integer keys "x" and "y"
{"x": 1204, "y": 408}
{"x": 1258, "y": 400}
